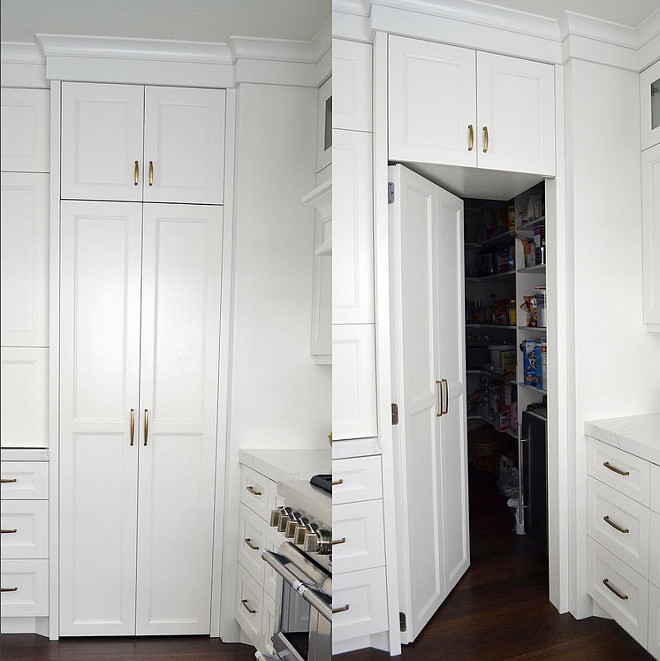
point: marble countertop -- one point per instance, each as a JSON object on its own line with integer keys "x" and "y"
{"x": 24, "y": 454}
{"x": 289, "y": 464}
{"x": 637, "y": 434}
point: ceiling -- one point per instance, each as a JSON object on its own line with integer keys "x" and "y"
{"x": 185, "y": 20}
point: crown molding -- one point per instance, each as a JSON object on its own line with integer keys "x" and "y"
{"x": 22, "y": 65}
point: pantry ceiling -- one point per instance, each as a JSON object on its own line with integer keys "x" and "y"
{"x": 182, "y": 20}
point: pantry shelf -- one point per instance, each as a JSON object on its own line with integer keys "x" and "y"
{"x": 534, "y": 388}
{"x": 504, "y": 239}
{"x": 491, "y": 277}
{"x": 502, "y": 326}
{"x": 533, "y": 269}
{"x": 536, "y": 329}
{"x": 532, "y": 223}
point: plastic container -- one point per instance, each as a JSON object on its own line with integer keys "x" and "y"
{"x": 541, "y": 307}
{"x": 503, "y": 355}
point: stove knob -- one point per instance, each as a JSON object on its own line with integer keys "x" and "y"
{"x": 285, "y": 517}
{"x": 300, "y": 531}
{"x": 275, "y": 517}
{"x": 311, "y": 543}
{"x": 324, "y": 542}
{"x": 291, "y": 525}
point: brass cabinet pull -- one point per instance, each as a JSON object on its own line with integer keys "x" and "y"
{"x": 471, "y": 138}
{"x": 485, "y": 129}
{"x": 151, "y": 173}
{"x": 8, "y": 530}
{"x": 252, "y": 611}
{"x": 248, "y": 541}
{"x": 336, "y": 483}
{"x": 439, "y": 407}
{"x": 614, "y": 469}
{"x": 613, "y": 589}
{"x": 132, "y": 426}
{"x": 136, "y": 174}
{"x": 8, "y": 589}
{"x": 8, "y": 480}
{"x": 146, "y": 426}
{"x": 616, "y": 526}
{"x": 341, "y": 610}
{"x": 253, "y": 491}
{"x": 446, "y": 396}
{"x": 334, "y": 542}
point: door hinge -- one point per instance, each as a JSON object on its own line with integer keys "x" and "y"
{"x": 395, "y": 414}
{"x": 390, "y": 192}
{"x": 402, "y": 622}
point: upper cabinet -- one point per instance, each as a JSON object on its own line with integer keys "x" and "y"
{"x": 456, "y": 106}
{"x": 324, "y": 126}
{"x": 651, "y": 237}
{"x": 649, "y": 88}
{"x": 351, "y": 72}
{"x": 153, "y": 144}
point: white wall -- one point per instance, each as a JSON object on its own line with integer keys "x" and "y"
{"x": 617, "y": 362}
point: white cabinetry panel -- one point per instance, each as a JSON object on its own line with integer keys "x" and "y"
{"x": 248, "y": 605}
{"x": 356, "y": 479}
{"x": 24, "y": 480}
{"x": 25, "y": 130}
{"x": 324, "y": 126}
{"x": 184, "y": 145}
{"x": 655, "y": 488}
{"x": 651, "y": 237}
{"x": 361, "y": 526}
{"x": 28, "y": 582}
{"x": 654, "y": 621}
{"x": 649, "y": 87}
{"x": 102, "y": 141}
{"x": 24, "y": 529}
{"x": 654, "y": 549}
{"x": 252, "y": 536}
{"x": 353, "y": 381}
{"x": 352, "y": 229}
{"x": 24, "y": 399}
{"x": 24, "y": 244}
{"x": 351, "y": 74}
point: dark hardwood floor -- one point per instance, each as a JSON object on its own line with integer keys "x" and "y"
{"x": 500, "y": 609}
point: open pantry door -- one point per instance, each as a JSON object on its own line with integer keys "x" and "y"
{"x": 428, "y": 374}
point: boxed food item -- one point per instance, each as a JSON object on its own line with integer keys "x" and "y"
{"x": 544, "y": 364}
{"x": 503, "y": 356}
{"x": 538, "y": 363}
{"x": 529, "y": 362}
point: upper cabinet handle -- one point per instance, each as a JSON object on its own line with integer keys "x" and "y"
{"x": 146, "y": 426}
{"x": 132, "y": 426}
{"x": 151, "y": 173}
{"x": 446, "y": 396}
{"x": 471, "y": 137}
{"x": 485, "y": 129}
{"x": 136, "y": 174}
{"x": 440, "y": 407}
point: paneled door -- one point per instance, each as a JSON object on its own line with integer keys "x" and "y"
{"x": 178, "y": 392}
{"x": 99, "y": 410}
{"x": 427, "y": 307}
{"x": 184, "y": 145}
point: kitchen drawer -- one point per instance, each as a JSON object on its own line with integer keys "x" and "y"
{"x": 268, "y": 625}
{"x": 252, "y": 533}
{"x": 274, "y": 539}
{"x": 361, "y": 525}
{"x": 627, "y": 533}
{"x": 654, "y": 546}
{"x": 631, "y": 609}
{"x": 254, "y": 491}
{"x": 620, "y": 470}
{"x": 24, "y": 529}
{"x": 655, "y": 488}
{"x": 30, "y": 580}
{"x": 654, "y": 621}
{"x": 26, "y": 480}
{"x": 365, "y": 595}
{"x": 360, "y": 477}
{"x": 248, "y": 606}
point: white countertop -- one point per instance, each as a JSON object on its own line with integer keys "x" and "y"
{"x": 294, "y": 464}
{"x": 24, "y": 454}
{"x": 637, "y": 434}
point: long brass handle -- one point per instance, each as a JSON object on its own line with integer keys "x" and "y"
{"x": 471, "y": 137}
{"x": 341, "y": 610}
{"x": 8, "y": 530}
{"x": 252, "y": 611}
{"x": 8, "y": 589}
{"x": 151, "y": 173}
{"x": 136, "y": 174}
{"x": 485, "y": 129}
{"x": 616, "y": 526}
{"x": 336, "y": 483}
{"x": 439, "y": 407}
{"x": 248, "y": 541}
{"x": 146, "y": 426}
{"x": 614, "y": 469}
{"x": 8, "y": 480}
{"x": 253, "y": 491}
{"x": 613, "y": 589}
{"x": 334, "y": 542}
{"x": 132, "y": 426}
{"x": 446, "y": 396}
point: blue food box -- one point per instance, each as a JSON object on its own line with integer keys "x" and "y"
{"x": 538, "y": 359}
{"x": 530, "y": 369}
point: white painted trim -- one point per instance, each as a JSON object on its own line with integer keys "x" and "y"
{"x": 22, "y": 65}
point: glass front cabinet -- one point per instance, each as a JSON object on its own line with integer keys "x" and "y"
{"x": 649, "y": 81}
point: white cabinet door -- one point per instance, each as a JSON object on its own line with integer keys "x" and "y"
{"x": 352, "y": 229}
{"x": 516, "y": 114}
{"x": 654, "y": 621}
{"x": 432, "y": 102}
{"x": 99, "y": 372}
{"x": 24, "y": 263}
{"x": 351, "y": 79}
{"x": 25, "y": 130}
{"x": 353, "y": 381}
{"x": 651, "y": 237}
{"x": 102, "y": 141}
{"x": 428, "y": 346}
{"x": 324, "y": 126}
{"x": 649, "y": 89}
{"x": 178, "y": 392}
{"x": 184, "y": 145}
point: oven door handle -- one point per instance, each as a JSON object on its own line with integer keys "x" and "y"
{"x": 310, "y": 595}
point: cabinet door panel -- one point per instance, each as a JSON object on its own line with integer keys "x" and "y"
{"x": 651, "y": 237}
{"x": 101, "y": 141}
{"x": 351, "y": 75}
{"x": 184, "y": 140}
{"x": 179, "y": 368}
{"x": 100, "y": 333}
{"x": 516, "y": 103}
{"x": 24, "y": 223}
{"x": 432, "y": 101}
{"x": 649, "y": 88}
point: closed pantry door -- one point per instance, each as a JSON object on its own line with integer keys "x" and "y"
{"x": 427, "y": 347}
{"x": 179, "y": 364}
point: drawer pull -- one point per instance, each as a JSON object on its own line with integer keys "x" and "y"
{"x": 614, "y": 469}
{"x": 334, "y": 542}
{"x": 8, "y": 480}
{"x": 343, "y": 609}
{"x": 8, "y": 530}
{"x": 252, "y": 611}
{"x": 616, "y": 526}
{"x": 251, "y": 545}
{"x": 613, "y": 589}
{"x": 336, "y": 483}
{"x": 8, "y": 589}
{"x": 253, "y": 491}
